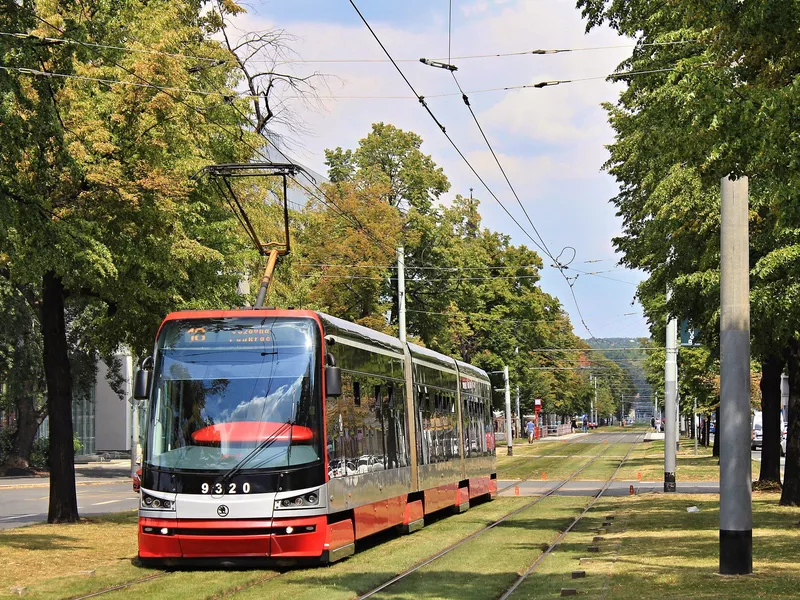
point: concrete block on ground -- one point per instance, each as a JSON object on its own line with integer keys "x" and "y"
{"x": 598, "y": 538}
{"x": 578, "y": 574}
{"x": 569, "y": 592}
{"x": 594, "y": 548}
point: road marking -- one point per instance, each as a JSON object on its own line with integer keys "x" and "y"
{"x": 106, "y": 502}
{"x": 19, "y": 517}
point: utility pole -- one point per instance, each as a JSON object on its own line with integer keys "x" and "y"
{"x": 407, "y": 364}
{"x": 735, "y": 485}
{"x": 655, "y": 407}
{"x": 694, "y": 426}
{"x": 519, "y": 416}
{"x": 594, "y": 407}
{"x": 509, "y": 441}
{"x": 401, "y": 292}
{"x": 670, "y": 404}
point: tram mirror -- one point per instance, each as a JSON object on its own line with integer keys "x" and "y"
{"x": 141, "y": 387}
{"x": 333, "y": 381}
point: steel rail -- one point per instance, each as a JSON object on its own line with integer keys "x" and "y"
{"x": 569, "y": 444}
{"x": 223, "y": 594}
{"x": 122, "y": 586}
{"x": 577, "y": 520}
{"x": 474, "y": 535}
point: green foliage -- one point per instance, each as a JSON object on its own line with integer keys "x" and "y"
{"x": 391, "y": 157}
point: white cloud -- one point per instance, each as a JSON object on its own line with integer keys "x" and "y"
{"x": 549, "y": 140}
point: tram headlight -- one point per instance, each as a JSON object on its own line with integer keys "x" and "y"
{"x": 153, "y": 503}
{"x": 310, "y": 500}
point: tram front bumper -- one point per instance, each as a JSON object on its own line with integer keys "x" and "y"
{"x": 286, "y": 538}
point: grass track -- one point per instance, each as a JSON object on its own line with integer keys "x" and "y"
{"x": 665, "y": 552}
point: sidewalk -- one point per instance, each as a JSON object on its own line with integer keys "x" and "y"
{"x": 85, "y": 474}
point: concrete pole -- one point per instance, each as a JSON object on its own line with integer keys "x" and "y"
{"x": 401, "y": 292}
{"x": 519, "y": 416}
{"x": 735, "y": 485}
{"x": 509, "y": 441}
{"x": 694, "y": 426}
{"x": 670, "y": 402}
{"x": 594, "y": 408}
{"x": 655, "y": 407}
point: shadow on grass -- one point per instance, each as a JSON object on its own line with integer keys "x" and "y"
{"x": 39, "y": 541}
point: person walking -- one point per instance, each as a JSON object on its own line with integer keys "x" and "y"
{"x": 585, "y": 423}
{"x": 529, "y": 428}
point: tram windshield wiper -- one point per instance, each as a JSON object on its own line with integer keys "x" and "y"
{"x": 266, "y": 443}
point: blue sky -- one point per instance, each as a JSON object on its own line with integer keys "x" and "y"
{"x": 550, "y": 141}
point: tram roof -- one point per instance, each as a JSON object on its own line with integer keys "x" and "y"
{"x": 385, "y": 340}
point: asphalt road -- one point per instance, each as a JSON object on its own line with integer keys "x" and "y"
{"x": 101, "y": 487}
{"x": 26, "y": 505}
{"x": 756, "y": 454}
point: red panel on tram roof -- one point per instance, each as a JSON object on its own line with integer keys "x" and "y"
{"x": 252, "y": 431}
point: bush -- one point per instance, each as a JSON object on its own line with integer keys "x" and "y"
{"x": 40, "y": 454}
{"x": 5, "y": 445}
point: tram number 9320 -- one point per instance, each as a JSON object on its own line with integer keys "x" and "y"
{"x": 219, "y": 488}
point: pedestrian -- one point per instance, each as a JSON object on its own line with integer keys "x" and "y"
{"x": 574, "y": 425}
{"x": 653, "y": 423}
{"x": 529, "y": 428}
{"x": 585, "y": 423}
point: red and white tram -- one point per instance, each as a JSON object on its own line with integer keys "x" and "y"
{"x": 290, "y": 434}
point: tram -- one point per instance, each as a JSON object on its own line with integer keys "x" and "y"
{"x": 287, "y": 435}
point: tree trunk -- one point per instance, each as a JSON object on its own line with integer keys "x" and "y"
{"x": 791, "y": 475}
{"x": 63, "y": 499}
{"x": 715, "y": 451}
{"x": 771, "y": 369}
{"x": 27, "y": 424}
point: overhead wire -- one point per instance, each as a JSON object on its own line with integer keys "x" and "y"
{"x": 440, "y": 126}
{"x": 220, "y": 62}
{"x": 169, "y": 93}
{"x": 166, "y": 89}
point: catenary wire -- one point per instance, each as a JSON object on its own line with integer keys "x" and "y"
{"x": 441, "y": 127}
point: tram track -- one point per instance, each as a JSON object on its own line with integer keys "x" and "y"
{"x": 560, "y": 538}
{"x": 122, "y": 586}
{"x": 576, "y": 443}
{"x": 222, "y": 594}
{"x": 400, "y": 577}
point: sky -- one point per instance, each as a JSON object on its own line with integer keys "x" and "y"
{"x": 551, "y": 141}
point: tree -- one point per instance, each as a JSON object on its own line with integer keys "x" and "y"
{"x": 391, "y": 157}
{"x": 99, "y": 211}
{"x": 719, "y": 104}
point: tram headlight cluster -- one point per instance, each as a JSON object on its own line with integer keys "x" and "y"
{"x": 309, "y": 500}
{"x": 152, "y": 503}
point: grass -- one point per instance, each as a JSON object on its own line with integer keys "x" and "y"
{"x": 66, "y": 554}
{"x": 655, "y": 549}
{"x": 63, "y": 561}
{"x": 647, "y": 460}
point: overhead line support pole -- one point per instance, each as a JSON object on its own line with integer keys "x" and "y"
{"x": 509, "y": 440}
{"x": 670, "y": 401}
{"x": 735, "y": 485}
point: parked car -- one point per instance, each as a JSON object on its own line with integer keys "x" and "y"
{"x": 341, "y": 468}
{"x": 368, "y": 464}
{"x": 783, "y": 443}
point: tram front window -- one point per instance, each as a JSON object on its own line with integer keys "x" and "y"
{"x": 229, "y": 390}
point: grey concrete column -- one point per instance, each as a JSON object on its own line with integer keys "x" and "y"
{"x": 735, "y": 509}
{"x": 670, "y": 402}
